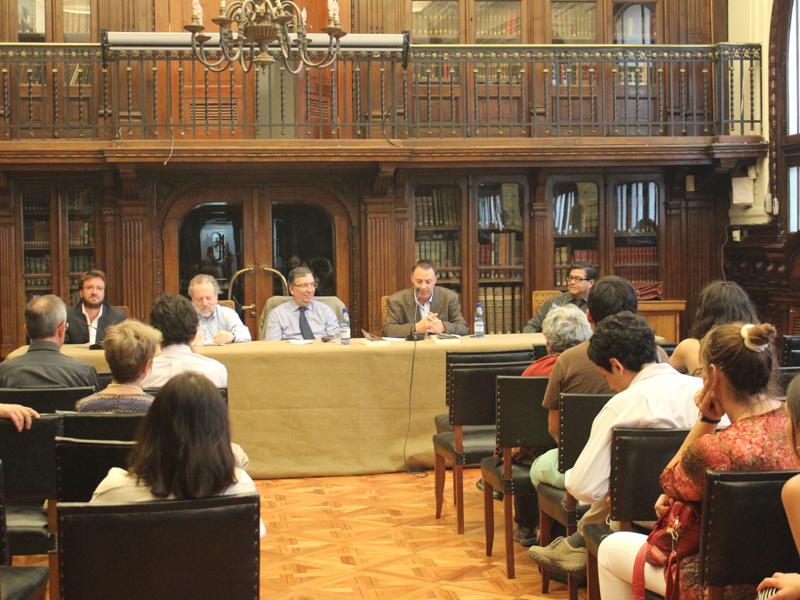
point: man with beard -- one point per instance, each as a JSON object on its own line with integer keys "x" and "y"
{"x": 218, "y": 324}
{"x": 88, "y": 319}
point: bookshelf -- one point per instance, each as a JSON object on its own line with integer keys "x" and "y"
{"x": 573, "y": 22}
{"x": 437, "y": 230}
{"x": 80, "y": 236}
{"x": 576, "y": 225}
{"x": 636, "y": 217}
{"x": 36, "y": 240}
{"x": 435, "y": 22}
{"x": 498, "y": 21}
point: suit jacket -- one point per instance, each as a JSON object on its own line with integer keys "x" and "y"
{"x": 78, "y": 331}
{"x": 402, "y": 312}
{"x": 44, "y": 366}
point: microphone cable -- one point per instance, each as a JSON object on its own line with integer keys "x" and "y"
{"x": 416, "y": 471}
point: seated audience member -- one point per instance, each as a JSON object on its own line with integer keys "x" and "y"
{"x": 90, "y": 317}
{"x": 43, "y": 365}
{"x": 129, "y": 349}
{"x": 788, "y": 584}
{"x": 424, "y": 308}
{"x": 720, "y": 302}
{"x": 176, "y": 319}
{"x": 650, "y": 394}
{"x": 218, "y": 324}
{"x": 738, "y": 362}
{"x": 302, "y": 317}
{"x": 20, "y": 416}
{"x": 183, "y": 449}
{"x": 563, "y": 328}
{"x": 580, "y": 280}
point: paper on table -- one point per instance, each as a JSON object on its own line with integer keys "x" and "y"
{"x": 300, "y": 342}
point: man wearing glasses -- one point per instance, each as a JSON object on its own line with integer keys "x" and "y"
{"x": 580, "y": 281}
{"x": 301, "y": 317}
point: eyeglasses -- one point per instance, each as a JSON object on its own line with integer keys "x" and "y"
{"x": 305, "y": 286}
{"x": 576, "y": 278}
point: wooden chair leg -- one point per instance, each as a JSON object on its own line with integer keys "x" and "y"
{"x": 545, "y": 537}
{"x": 488, "y": 517}
{"x": 458, "y": 470}
{"x": 508, "y": 510}
{"x": 592, "y": 577}
{"x": 455, "y": 497}
{"x": 572, "y": 587}
{"x": 52, "y": 557}
{"x": 439, "y": 474}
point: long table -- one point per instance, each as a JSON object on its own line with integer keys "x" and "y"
{"x": 325, "y": 409}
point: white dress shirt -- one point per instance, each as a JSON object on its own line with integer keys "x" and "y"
{"x": 179, "y": 358}
{"x": 284, "y": 321}
{"x": 92, "y": 325}
{"x": 223, "y": 319}
{"x": 658, "y": 398}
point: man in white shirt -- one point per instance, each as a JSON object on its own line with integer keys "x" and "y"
{"x": 88, "y": 319}
{"x": 650, "y": 395}
{"x": 301, "y": 317}
{"x": 176, "y": 319}
{"x": 218, "y": 324}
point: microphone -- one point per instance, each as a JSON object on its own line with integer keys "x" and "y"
{"x": 415, "y": 336}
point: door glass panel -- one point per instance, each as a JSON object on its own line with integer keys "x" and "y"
{"x": 498, "y": 22}
{"x": 77, "y": 21}
{"x": 636, "y": 221}
{"x": 634, "y": 23}
{"x": 31, "y": 20}
{"x": 36, "y": 238}
{"x": 575, "y": 227}
{"x": 435, "y": 21}
{"x": 81, "y": 236}
{"x": 302, "y": 235}
{"x": 210, "y": 242}
{"x": 573, "y": 22}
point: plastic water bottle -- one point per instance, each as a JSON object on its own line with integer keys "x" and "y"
{"x": 344, "y": 328}
{"x": 478, "y": 322}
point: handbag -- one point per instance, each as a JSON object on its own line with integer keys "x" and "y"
{"x": 675, "y": 536}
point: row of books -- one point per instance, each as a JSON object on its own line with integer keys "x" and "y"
{"x": 34, "y": 205}
{"x": 571, "y": 73}
{"x": 502, "y": 249}
{"x": 445, "y": 275}
{"x": 498, "y": 22}
{"x": 636, "y": 255}
{"x": 437, "y": 207}
{"x": 81, "y": 233}
{"x": 498, "y": 207}
{"x": 636, "y": 207}
{"x": 563, "y": 257}
{"x": 442, "y": 253}
{"x": 37, "y": 264}
{"x": 573, "y": 22}
{"x": 436, "y": 22}
{"x": 81, "y": 202}
{"x": 503, "y": 306}
{"x": 572, "y": 215}
{"x": 638, "y": 273}
{"x": 512, "y": 274}
{"x": 36, "y": 233}
{"x": 80, "y": 263}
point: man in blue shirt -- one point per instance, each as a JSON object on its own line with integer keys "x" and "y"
{"x": 301, "y": 317}
{"x": 218, "y": 324}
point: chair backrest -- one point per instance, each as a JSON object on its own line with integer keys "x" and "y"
{"x": 474, "y": 392}
{"x": 521, "y": 418}
{"x": 668, "y": 348}
{"x": 745, "y": 535}
{"x": 29, "y": 457}
{"x": 104, "y": 379}
{"x": 786, "y": 375}
{"x": 332, "y": 301}
{"x": 539, "y": 297}
{"x": 791, "y": 351}
{"x": 227, "y": 304}
{"x": 576, "y": 414}
{"x": 82, "y": 464}
{"x": 455, "y": 360}
{"x": 384, "y": 309}
{"x": 637, "y": 458}
{"x": 199, "y": 549}
{"x": 101, "y": 426}
{"x": 45, "y": 400}
{"x": 5, "y": 552}
{"x": 222, "y": 392}
{"x": 125, "y": 310}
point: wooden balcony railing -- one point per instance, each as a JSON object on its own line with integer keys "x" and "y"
{"x": 80, "y": 92}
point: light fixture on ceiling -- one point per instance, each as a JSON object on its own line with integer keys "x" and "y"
{"x": 248, "y": 27}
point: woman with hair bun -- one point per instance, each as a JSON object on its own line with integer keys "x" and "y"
{"x": 737, "y": 365}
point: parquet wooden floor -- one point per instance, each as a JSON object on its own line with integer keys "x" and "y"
{"x": 375, "y": 537}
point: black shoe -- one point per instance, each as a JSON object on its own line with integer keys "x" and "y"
{"x": 497, "y": 495}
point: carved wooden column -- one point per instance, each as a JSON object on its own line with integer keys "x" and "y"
{"x": 135, "y": 246}
{"x": 381, "y": 246}
{"x": 541, "y": 237}
{"x": 12, "y": 298}
{"x": 108, "y": 257}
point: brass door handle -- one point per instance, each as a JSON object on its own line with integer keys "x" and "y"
{"x": 248, "y": 307}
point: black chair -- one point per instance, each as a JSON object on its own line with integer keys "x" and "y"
{"x": 201, "y": 549}
{"x": 82, "y": 464}
{"x": 668, "y": 348}
{"x": 104, "y": 379}
{"x": 17, "y": 583}
{"x": 791, "y": 351}
{"x": 521, "y": 421}
{"x": 637, "y": 458}
{"x": 744, "y": 534}
{"x": 45, "y": 400}
{"x": 786, "y": 376}
{"x": 222, "y": 392}
{"x": 101, "y": 426}
{"x": 472, "y": 403}
{"x": 576, "y": 414}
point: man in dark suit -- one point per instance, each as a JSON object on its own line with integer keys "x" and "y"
{"x": 89, "y": 318}
{"x": 424, "y": 308}
{"x": 43, "y": 365}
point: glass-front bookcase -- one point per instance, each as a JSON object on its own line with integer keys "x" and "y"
{"x": 437, "y": 230}
{"x": 576, "y": 225}
{"x": 637, "y": 210}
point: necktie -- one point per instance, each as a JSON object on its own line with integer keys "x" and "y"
{"x": 305, "y": 328}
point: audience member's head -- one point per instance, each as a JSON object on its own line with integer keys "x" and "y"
{"x": 45, "y": 318}
{"x": 610, "y": 295}
{"x": 744, "y": 354}
{"x": 184, "y": 443}
{"x": 793, "y": 412}
{"x": 129, "y": 347}
{"x": 175, "y": 317}
{"x": 204, "y": 292}
{"x": 564, "y": 327}
{"x": 93, "y": 288}
{"x": 621, "y": 345}
{"x": 722, "y": 302}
